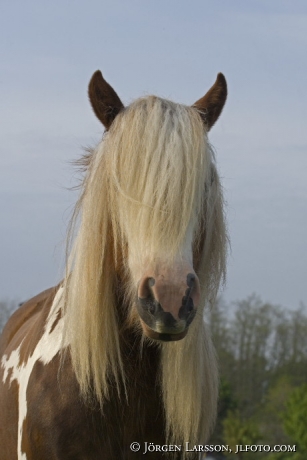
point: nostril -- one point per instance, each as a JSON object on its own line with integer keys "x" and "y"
{"x": 190, "y": 280}
{"x": 187, "y": 303}
{"x": 146, "y": 298}
{"x": 151, "y": 282}
{"x": 190, "y": 305}
{"x": 145, "y": 288}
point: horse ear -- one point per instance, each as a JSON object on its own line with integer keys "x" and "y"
{"x": 211, "y": 105}
{"x": 104, "y": 100}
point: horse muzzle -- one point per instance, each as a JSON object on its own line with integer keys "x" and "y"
{"x": 167, "y": 307}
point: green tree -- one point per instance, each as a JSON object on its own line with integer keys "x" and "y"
{"x": 269, "y": 414}
{"x": 237, "y": 431}
{"x": 226, "y": 404}
{"x": 295, "y": 419}
{"x": 250, "y": 332}
{"x": 289, "y": 347}
{"x": 262, "y": 355}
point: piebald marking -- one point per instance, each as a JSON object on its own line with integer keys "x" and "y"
{"x": 46, "y": 349}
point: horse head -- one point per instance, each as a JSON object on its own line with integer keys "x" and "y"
{"x": 167, "y": 286}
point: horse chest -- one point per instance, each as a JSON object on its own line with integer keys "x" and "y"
{"x": 53, "y": 421}
{"x": 60, "y": 426}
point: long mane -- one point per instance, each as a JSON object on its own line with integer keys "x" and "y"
{"x": 150, "y": 181}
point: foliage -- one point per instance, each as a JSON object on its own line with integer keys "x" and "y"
{"x": 239, "y": 432}
{"x": 262, "y": 353}
{"x": 295, "y": 418}
{"x": 226, "y": 403}
{"x": 269, "y": 414}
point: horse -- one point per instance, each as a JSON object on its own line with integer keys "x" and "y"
{"x": 116, "y": 361}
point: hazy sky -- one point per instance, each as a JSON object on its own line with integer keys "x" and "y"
{"x": 174, "y": 49}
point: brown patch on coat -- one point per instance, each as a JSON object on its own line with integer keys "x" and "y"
{"x": 8, "y": 417}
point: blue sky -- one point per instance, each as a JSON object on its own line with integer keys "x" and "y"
{"x": 174, "y": 49}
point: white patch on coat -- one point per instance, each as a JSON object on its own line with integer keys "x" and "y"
{"x": 47, "y": 348}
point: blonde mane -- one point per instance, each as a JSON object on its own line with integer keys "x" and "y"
{"x": 149, "y": 183}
